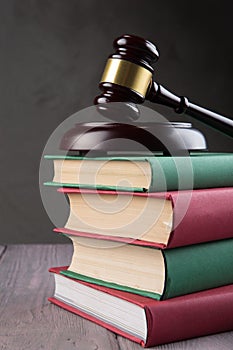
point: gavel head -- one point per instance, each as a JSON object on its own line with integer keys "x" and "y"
{"x": 128, "y": 72}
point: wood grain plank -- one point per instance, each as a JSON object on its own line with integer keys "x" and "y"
{"x": 221, "y": 341}
{"x": 27, "y": 319}
{"x": 2, "y": 251}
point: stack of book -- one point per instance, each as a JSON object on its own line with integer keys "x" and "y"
{"x": 152, "y": 265}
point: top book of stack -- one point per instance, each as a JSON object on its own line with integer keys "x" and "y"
{"x": 144, "y": 174}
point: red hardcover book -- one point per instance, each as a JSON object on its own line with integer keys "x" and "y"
{"x": 153, "y": 322}
{"x": 195, "y": 216}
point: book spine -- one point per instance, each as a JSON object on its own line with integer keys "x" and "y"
{"x": 190, "y": 316}
{"x": 198, "y": 267}
{"x": 208, "y": 216}
{"x": 173, "y": 173}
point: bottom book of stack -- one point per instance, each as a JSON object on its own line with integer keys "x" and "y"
{"x": 144, "y": 320}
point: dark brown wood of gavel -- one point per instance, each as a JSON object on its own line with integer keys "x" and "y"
{"x": 128, "y": 77}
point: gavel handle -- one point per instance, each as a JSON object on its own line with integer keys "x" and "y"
{"x": 159, "y": 94}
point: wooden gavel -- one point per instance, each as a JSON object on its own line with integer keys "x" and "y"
{"x": 128, "y": 77}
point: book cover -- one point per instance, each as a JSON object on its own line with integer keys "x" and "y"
{"x": 180, "y": 318}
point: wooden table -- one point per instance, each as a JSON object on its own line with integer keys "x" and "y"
{"x": 29, "y": 321}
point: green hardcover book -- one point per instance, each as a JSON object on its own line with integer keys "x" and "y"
{"x": 153, "y": 174}
{"x": 156, "y": 273}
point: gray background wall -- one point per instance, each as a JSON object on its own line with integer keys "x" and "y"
{"x": 52, "y": 54}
